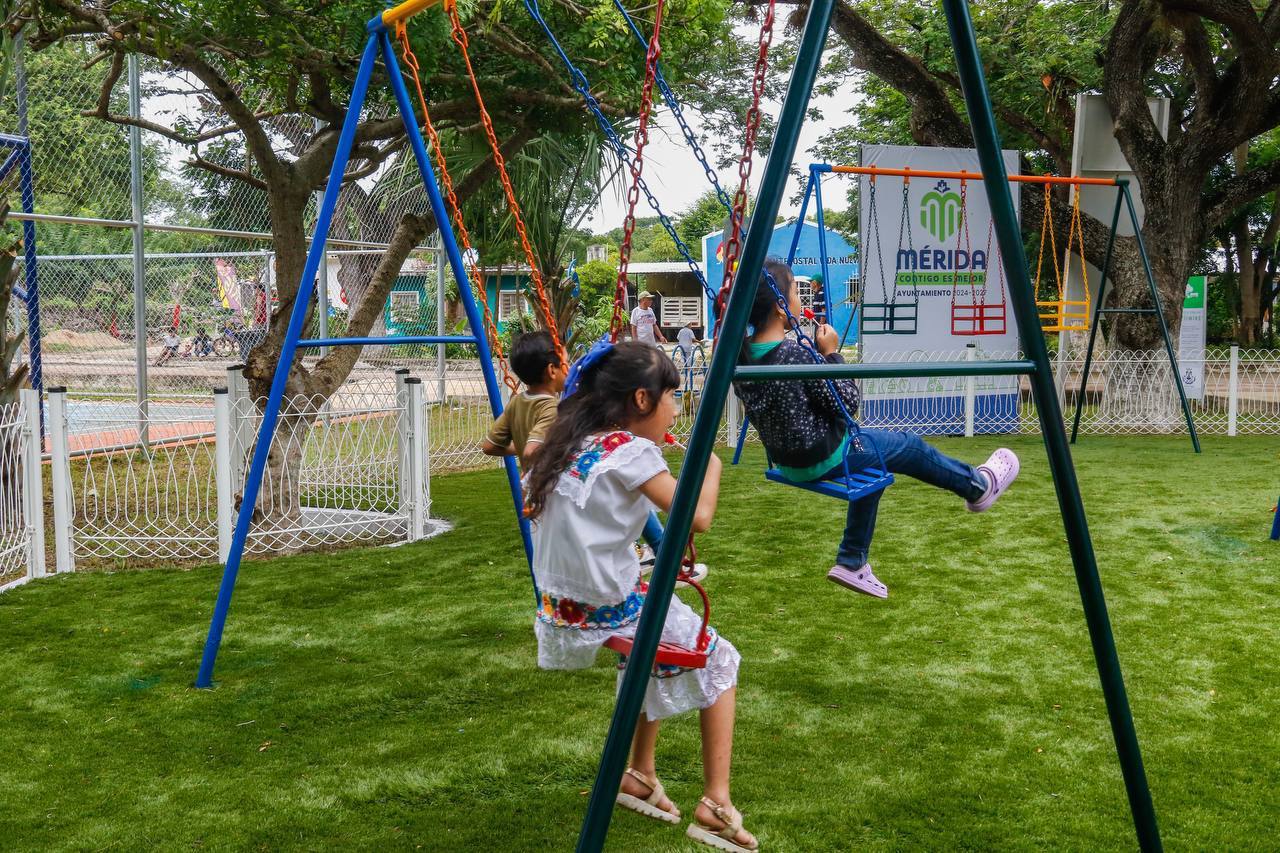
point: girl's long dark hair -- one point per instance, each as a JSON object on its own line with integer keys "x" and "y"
{"x": 605, "y": 399}
{"x": 764, "y": 302}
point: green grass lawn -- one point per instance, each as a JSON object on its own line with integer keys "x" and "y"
{"x": 388, "y": 698}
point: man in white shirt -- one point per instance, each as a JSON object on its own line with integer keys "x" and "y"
{"x": 644, "y": 323}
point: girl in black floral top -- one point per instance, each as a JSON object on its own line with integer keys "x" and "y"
{"x": 804, "y": 429}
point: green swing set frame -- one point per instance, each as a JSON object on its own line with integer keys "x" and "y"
{"x": 724, "y": 371}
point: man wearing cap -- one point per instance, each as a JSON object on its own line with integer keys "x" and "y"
{"x": 644, "y": 323}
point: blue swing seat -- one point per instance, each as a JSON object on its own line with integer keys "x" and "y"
{"x": 858, "y": 484}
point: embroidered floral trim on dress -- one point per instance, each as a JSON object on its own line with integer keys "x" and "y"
{"x": 567, "y": 613}
{"x": 603, "y": 453}
{"x": 598, "y": 449}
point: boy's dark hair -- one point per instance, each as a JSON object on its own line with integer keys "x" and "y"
{"x": 605, "y": 399}
{"x": 764, "y": 301}
{"x": 531, "y": 354}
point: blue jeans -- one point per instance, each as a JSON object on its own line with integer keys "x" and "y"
{"x": 904, "y": 453}
{"x": 652, "y": 533}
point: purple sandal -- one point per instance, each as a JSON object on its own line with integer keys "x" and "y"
{"x": 1000, "y": 470}
{"x": 859, "y": 580}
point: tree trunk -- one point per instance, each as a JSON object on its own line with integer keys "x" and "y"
{"x": 1171, "y": 236}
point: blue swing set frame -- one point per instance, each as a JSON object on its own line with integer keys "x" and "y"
{"x": 378, "y": 44}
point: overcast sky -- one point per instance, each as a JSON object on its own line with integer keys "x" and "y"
{"x": 677, "y": 180}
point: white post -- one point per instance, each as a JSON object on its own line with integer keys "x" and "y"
{"x": 440, "y": 327}
{"x": 223, "y": 442}
{"x": 242, "y": 432}
{"x": 417, "y": 515}
{"x": 60, "y": 471}
{"x": 731, "y": 418}
{"x": 139, "y": 252}
{"x": 33, "y": 485}
{"x": 1233, "y": 390}
{"x": 403, "y": 434}
{"x": 1060, "y": 376}
{"x": 970, "y": 391}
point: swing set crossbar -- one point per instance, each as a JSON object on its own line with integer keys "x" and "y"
{"x": 963, "y": 175}
{"x": 887, "y": 370}
{"x": 386, "y": 342}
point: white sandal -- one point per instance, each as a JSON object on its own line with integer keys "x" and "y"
{"x": 648, "y": 806}
{"x": 721, "y": 839}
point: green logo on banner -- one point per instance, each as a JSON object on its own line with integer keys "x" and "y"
{"x": 1194, "y": 296}
{"x": 940, "y": 211}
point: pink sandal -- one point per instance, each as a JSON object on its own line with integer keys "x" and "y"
{"x": 859, "y": 580}
{"x": 1000, "y": 470}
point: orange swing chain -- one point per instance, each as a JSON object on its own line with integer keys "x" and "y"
{"x": 618, "y": 321}
{"x": 548, "y": 316}
{"x": 733, "y": 245}
{"x": 455, "y": 209}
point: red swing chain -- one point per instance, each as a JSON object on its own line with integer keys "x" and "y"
{"x": 455, "y": 210}
{"x": 618, "y": 321}
{"x": 733, "y": 246}
{"x": 548, "y": 316}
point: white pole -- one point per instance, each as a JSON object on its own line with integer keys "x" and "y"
{"x": 139, "y": 258}
{"x": 417, "y": 519}
{"x": 223, "y": 442}
{"x": 403, "y": 436}
{"x": 242, "y": 432}
{"x": 1233, "y": 390}
{"x": 60, "y": 471}
{"x": 33, "y": 486}
{"x": 440, "y": 326}
{"x": 731, "y": 418}
{"x": 970, "y": 391}
{"x": 1060, "y": 376}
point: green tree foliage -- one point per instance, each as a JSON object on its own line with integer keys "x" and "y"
{"x": 702, "y": 217}
{"x": 265, "y": 74}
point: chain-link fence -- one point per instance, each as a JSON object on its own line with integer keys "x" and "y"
{"x": 156, "y": 265}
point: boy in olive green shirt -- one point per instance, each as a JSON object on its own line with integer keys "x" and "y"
{"x": 521, "y": 428}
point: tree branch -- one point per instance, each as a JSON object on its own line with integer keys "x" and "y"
{"x": 1238, "y": 191}
{"x": 227, "y": 171}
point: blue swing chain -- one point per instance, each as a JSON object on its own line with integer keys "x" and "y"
{"x": 673, "y": 104}
{"x": 855, "y": 432}
{"x": 616, "y": 144}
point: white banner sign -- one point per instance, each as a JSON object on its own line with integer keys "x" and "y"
{"x": 932, "y": 283}
{"x": 1191, "y": 337}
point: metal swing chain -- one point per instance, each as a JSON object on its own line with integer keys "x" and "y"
{"x": 733, "y": 245}
{"x": 455, "y": 209}
{"x": 619, "y": 148}
{"x": 616, "y": 322}
{"x": 460, "y": 39}
{"x": 673, "y": 104}
{"x": 962, "y": 233}
{"x": 873, "y": 213}
{"x": 911, "y": 250}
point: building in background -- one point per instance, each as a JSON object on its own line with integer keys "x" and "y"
{"x": 842, "y": 267}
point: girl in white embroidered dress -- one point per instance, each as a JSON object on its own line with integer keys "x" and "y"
{"x": 589, "y": 491}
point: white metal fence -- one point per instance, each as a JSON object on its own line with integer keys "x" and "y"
{"x": 21, "y": 495}
{"x": 167, "y": 488}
